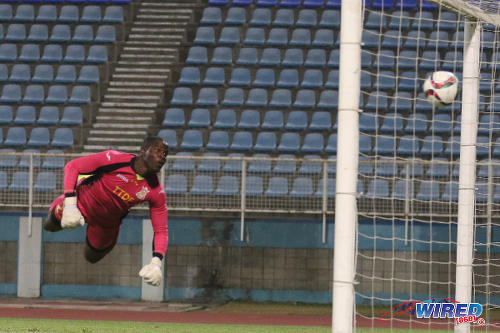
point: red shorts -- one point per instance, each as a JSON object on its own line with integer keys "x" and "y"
{"x": 98, "y": 237}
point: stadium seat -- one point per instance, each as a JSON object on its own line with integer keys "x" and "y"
{"x": 278, "y": 187}
{"x": 240, "y": 77}
{"x": 170, "y": 137}
{"x": 297, "y": 121}
{"x": 52, "y": 53}
{"x": 34, "y": 93}
{"x": 302, "y": 187}
{"x": 365, "y": 144}
{"x": 43, "y": 74}
{"x": 264, "y": 78}
{"x": 402, "y": 190}
{"x": 428, "y": 191}
{"x": 16, "y": 137}
{"x": 6, "y": 115}
{"x": 4, "y": 72}
{"x": 176, "y": 184}
{"x": 321, "y": 121}
{"x": 66, "y": 74}
{"x": 247, "y": 56}
{"x": 204, "y": 36}
{"x": 254, "y": 37}
{"x": 323, "y": 38}
{"x": 202, "y": 185}
{"x": 226, "y": 118}
{"x": 209, "y": 165}
{"x": 29, "y": 53}
{"x": 222, "y": 55}
{"x": 305, "y": 98}
{"x": 218, "y": 140}
{"x": 415, "y": 39}
{"x": 250, "y": 119}
{"x": 254, "y": 186}
{"x": 384, "y": 59}
{"x": 72, "y": 116}
{"x": 211, "y": 16}
{"x": 3, "y": 180}
{"x": 113, "y": 15}
{"x": 49, "y": 116}
{"x": 408, "y": 146}
{"x": 229, "y": 36}
{"x": 53, "y": 161}
{"x": 242, "y": 3}
{"x": 242, "y": 141}
{"x": 39, "y": 137}
{"x": 207, "y": 97}
{"x": 307, "y": 18}
{"x": 261, "y": 17}
{"x": 392, "y": 123}
{"x": 182, "y": 96}
{"x": 5, "y": 13}
{"x": 438, "y": 168}
{"x": 257, "y": 97}
{"x": 214, "y": 76}
{"x": 265, "y": 141}
{"x": 8, "y": 161}
{"x": 60, "y": 34}
{"x": 235, "y": 16}
{"x": 174, "y": 117}
{"x": 384, "y": 145}
{"x": 58, "y": 94}
{"x": 432, "y": 146}
{"x": 313, "y": 143}
{"x": 281, "y": 98}
{"x": 378, "y": 189}
{"x": 25, "y": 115}
{"x": 88, "y": 74}
{"x": 270, "y": 57}
{"x": 277, "y": 37}
{"x": 414, "y": 168}
{"x": 11, "y": 93}
{"x": 288, "y": 78}
{"x": 308, "y": 167}
{"x": 289, "y": 142}
{"x": 313, "y": 78}
{"x": 20, "y": 73}
{"x": 315, "y": 58}
{"x": 192, "y": 140}
{"x": 273, "y": 120}
{"x": 293, "y": 58}
{"x": 331, "y": 145}
{"x": 69, "y": 14}
{"x": 328, "y": 99}
{"x": 447, "y": 21}
{"x": 233, "y": 97}
{"x": 287, "y": 165}
{"x": 400, "y": 19}
{"x": 38, "y": 33}
{"x": 450, "y": 192}
{"x": 20, "y": 181}
{"x": 190, "y": 76}
{"x": 63, "y": 138}
{"x": 283, "y": 18}
{"x": 258, "y": 164}
{"x": 300, "y": 37}
{"x": 15, "y": 33}
{"x": 8, "y": 52}
{"x": 377, "y": 101}
{"x": 74, "y": 54}
{"x": 330, "y": 188}
{"x": 197, "y": 55}
{"x": 452, "y": 147}
{"x": 227, "y": 185}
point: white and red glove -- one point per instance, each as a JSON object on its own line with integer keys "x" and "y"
{"x": 151, "y": 273}
{"x": 71, "y": 216}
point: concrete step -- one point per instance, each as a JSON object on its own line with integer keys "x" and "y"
{"x": 136, "y": 84}
{"x": 147, "y": 57}
{"x": 144, "y": 36}
{"x": 111, "y": 132}
{"x": 164, "y": 50}
{"x": 117, "y": 139}
{"x": 156, "y": 16}
{"x": 139, "y": 77}
{"x": 178, "y": 31}
{"x": 124, "y": 127}
{"x": 169, "y": 5}
{"x": 128, "y": 97}
{"x": 128, "y": 111}
{"x": 166, "y": 12}
{"x": 146, "y": 43}
{"x": 129, "y": 105}
{"x": 161, "y": 23}
{"x": 124, "y": 119}
{"x": 142, "y": 70}
{"x": 134, "y": 90}
{"x": 146, "y": 63}
{"x": 97, "y": 148}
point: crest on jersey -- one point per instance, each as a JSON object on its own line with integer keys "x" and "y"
{"x": 142, "y": 193}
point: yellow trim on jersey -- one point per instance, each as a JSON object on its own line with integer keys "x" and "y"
{"x": 81, "y": 177}
{"x": 139, "y": 177}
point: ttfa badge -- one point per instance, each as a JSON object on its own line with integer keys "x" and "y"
{"x": 142, "y": 193}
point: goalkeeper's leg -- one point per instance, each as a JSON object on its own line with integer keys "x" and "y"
{"x": 99, "y": 242}
{"x": 53, "y": 219}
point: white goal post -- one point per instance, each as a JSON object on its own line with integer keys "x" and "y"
{"x": 416, "y": 191}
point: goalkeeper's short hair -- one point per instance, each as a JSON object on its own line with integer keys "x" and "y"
{"x": 151, "y": 140}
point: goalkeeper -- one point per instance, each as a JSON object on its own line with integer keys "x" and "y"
{"x": 100, "y": 189}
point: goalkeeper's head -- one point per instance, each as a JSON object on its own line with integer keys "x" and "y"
{"x": 154, "y": 153}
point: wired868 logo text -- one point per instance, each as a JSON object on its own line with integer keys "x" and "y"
{"x": 439, "y": 308}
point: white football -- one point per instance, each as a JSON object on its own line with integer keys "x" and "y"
{"x": 441, "y": 88}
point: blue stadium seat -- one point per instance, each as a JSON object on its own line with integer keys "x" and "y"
{"x": 197, "y": 55}
{"x": 432, "y": 146}
{"x": 428, "y": 191}
{"x": 25, "y": 115}
{"x": 74, "y": 54}
{"x": 378, "y": 189}
{"x": 300, "y": 37}
{"x": 415, "y": 39}
{"x": 5, "y": 13}
{"x": 226, "y": 118}
{"x": 290, "y": 3}
{"x": 211, "y": 16}
{"x": 281, "y": 98}
{"x": 3, "y": 180}
{"x": 310, "y": 167}
{"x": 391, "y": 40}
{"x": 313, "y": 78}
{"x": 240, "y": 77}
{"x": 63, "y": 138}
{"x": 182, "y": 96}
{"x": 113, "y": 15}
{"x": 380, "y": 4}
{"x": 16, "y": 137}
{"x": 328, "y": 99}
{"x": 421, "y": 104}
{"x": 69, "y": 14}
{"x": 384, "y": 59}
{"x": 11, "y": 93}
{"x": 273, "y": 120}
{"x": 313, "y": 143}
{"x": 331, "y": 145}
{"x": 406, "y": 4}
{"x": 423, "y": 20}
{"x": 259, "y": 166}
{"x": 227, "y": 185}
{"x": 218, "y": 2}
{"x": 270, "y": 57}
{"x": 375, "y": 20}
{"x": 91, "y": 14}
{"x": 199, "y": 118}
{"x": 29, "y": 53}
{"x": 277, "y": 37}
{"x": 250, "y": 119}
{"x": 402, "y": 102}
{"x": 330, "y": 19}
{"x": 307, "y": 18}
{"x": 368, "y": 122}
{"x": 66, "y": 74}
{"x": 289, "y": 142}
{"x": 321, "y": 121}
{"x": 293, "y": 58}
{"x": 285, "y": 164}
{"x": 313, "y": 3}
{"x": 400, "y": 19}
{"x": 297, "y": 121}
{"x": 289, "y": 78}
{"x": 58, "y": 94}
{"x": 452, "y": 147}
{"x": 305, "y": 98}
{"x": 60, "y": 33}
{"x": 49, "y": 116}
{"x": 457, "y": 41}
{"x": 192, "y": 140}
{"x": 441, "y": 124}
{"x": 392, "y": 123}
{"x": 233, "y": 97}
{"x": 242, "y": 3}
{"x": 384, "y": 145}
{"x": 330, "y": 188}
{"x": 439, "y": 40}
{"x": 39, "y": 137}
{"x": 222, "y": 55}
{"x": 278, "y": 187}
{"x": 235, "y": 16}
{"x": 183, "y": 164}
{"x": 88, "y": 74}
{"x": 488, "y": 123}
{"x": 15, "y": 33}
{"x": 5, "y": 115}
{"x": 8, "y": 161}
{"x": 38, "y": 33}
{"x": 385, "y": 80}
{"x": 202, "y": 184}
{"x": 209, "y": 165}
{"x": 366, "y": 81}
{"x": 402, "y": 190}
{"x": 174, "y": 117}
{"x": 43, "y": 74}
{"x": 370, "y": 38}
{"x": 254, "y": 186}
{"x": 214, "y": 76}
{"x": 429, "y": 60}
{"x": 20, "y": 73}
{"x": 450, "y": 192}
{"x": 204, "y": 36}
{"x": 447, "y": 21}
{"x": 20, "y": 181}
{"x": 315, "y": 58}
{"x": 257, "y": 97}
{"x": 170, "y": 137}
{"x": 229, "y": 36}
{"x": 218, "y": 140}
{"x": 105, "y": 34}
{"x": 408, "y": 81}
{"x": 414, "y": 168}
{"x": 283, "y": 18}
{"x": 72, "y": 116}
{"x": 261, "y": 17}
{"x": 483, "y": 169}
{"x": 176, "y": 184}
{"x": 247, "y": 56}
{"x": 34, "y": 93}
{"x": 4, "y": 72}
{"x": 265, "y": 141}
{"x": 407, "y": 60}
{"x": 438, "y": 168}
{"x": 242, "y": 141}
{"x": 190, "y": 76}
{"x": 264, "y": 78}
{"x": 52, "y": 53}
{"x": 302, "y": 187}
{"x": 483, "y": 146}
{"x": 408, "y": 146}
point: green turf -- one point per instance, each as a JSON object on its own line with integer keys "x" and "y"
{"x": 17, "y": 325}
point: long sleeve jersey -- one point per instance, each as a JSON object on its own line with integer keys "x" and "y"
{"x": 113, "y": 187}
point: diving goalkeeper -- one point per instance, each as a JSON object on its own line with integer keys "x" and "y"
{"x": 100, "y": 189}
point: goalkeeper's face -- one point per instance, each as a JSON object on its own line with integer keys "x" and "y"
{"x": 155, "y": 156}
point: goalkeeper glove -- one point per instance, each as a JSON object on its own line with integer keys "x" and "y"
{"x": 71, "y": 216}
{"x": 152, "y": 272}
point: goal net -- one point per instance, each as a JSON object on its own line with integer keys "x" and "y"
{"x": 409, "y": 163}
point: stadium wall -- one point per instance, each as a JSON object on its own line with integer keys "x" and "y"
{"x": 281, "y": 260}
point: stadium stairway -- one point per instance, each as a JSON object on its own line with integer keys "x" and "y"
{"x": 144, "y": 66}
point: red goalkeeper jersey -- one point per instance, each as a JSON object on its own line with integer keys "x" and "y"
{"x": 113, "y": 187}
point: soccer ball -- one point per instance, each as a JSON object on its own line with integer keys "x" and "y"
{"x": 441, "y": 88}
